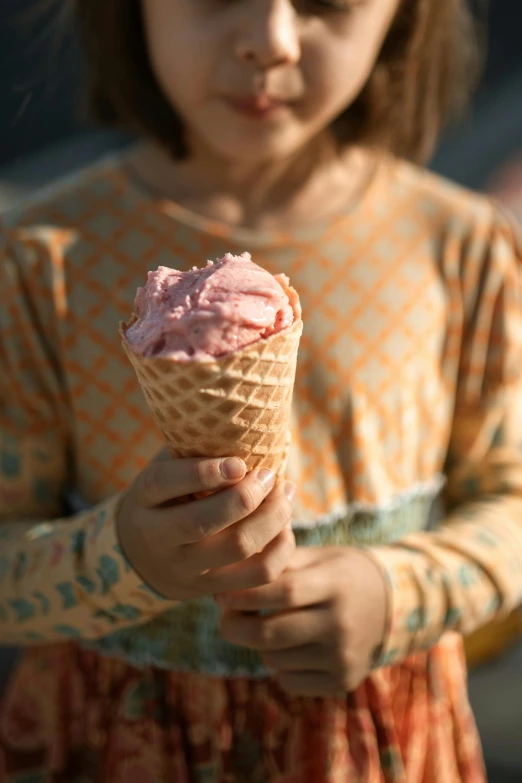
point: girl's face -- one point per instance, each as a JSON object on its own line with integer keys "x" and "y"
{"x": 256, "y": 79}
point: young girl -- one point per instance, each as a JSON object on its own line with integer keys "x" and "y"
{"x": 196, "y": 642}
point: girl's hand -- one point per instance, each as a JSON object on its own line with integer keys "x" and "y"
{"x": 331, "y": 607}
{"x": 235, "y": 539}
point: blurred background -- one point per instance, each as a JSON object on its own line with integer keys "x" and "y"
{"x": 44, "y": 135}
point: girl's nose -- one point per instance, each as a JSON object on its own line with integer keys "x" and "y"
{"x": 269, "y": 34}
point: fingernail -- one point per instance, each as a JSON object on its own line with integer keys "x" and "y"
{"x": 232, "y": 468}
{"x": 290, "y": 490}
{"x": 266, "y": 477}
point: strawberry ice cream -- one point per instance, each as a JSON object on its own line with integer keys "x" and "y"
{"x": 210, "y": 312}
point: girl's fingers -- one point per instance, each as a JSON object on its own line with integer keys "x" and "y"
{"x": 164, "y": 480}
{"x": 311, "y": 684}
{"x": 296, "y": 588}
{"x": 262, "y": 567}
{"x": 246, "y": 538}
{"x": 308, "y": 657}
{"x": 278, "y": 631}
{"x": 197, "y": 519}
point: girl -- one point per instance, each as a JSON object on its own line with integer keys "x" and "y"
{"x": 195, "y": 642}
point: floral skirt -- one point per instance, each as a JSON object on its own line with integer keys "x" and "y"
{"x": 70, "y": 716}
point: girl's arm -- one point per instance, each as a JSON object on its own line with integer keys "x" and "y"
{"x": 470, "y": 569}
{"x": 67, "y": 578}
{"x": 59, "y": 578}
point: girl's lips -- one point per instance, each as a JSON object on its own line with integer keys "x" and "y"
{"x": 255, "y": 106}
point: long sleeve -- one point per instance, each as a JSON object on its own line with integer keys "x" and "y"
{"x": 59, "y": 578}
{"x": 469, "y": 570}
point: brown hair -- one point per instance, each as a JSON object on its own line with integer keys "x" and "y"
{"x": 424, "y": 75}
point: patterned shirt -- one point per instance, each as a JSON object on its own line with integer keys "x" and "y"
{"x": 408, "y": 397}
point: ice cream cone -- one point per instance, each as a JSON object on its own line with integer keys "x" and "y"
{"x": 235, "y": 405}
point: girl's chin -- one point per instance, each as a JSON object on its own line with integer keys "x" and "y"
{"x": 261, "y": 147}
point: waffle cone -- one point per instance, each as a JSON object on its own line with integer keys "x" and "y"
{"x": 236, "y": 405}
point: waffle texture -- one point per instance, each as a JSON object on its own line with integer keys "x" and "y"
{"x": 237, "y": 405}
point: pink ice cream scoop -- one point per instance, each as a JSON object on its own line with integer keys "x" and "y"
{"x": 207, "y": 313}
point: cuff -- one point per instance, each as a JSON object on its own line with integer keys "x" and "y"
{"x": 121, "y": 592}
{"x": 417, "y": 604}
